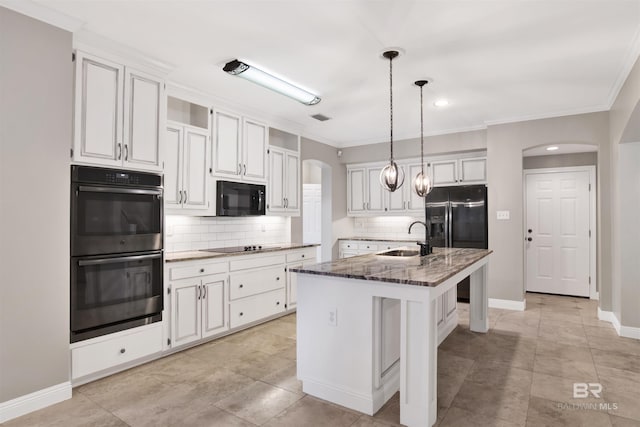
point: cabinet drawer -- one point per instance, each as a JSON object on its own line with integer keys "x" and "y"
{"x": 348, "y": 245}
{"x": 308, "y": 253}
{"x": 106, "y": 354}
{"x": 255, "y": 262}
{"x": 177, "y": 273}
{"x": 368, "y": 247}
{"x": 250, "y": 309}
{"x": 255, "y": 282}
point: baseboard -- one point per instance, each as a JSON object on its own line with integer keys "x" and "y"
{"x": 338, "y": 395}
{"x": 33, "y": 401}
{"x": 507, "y": 304}
{"x": 623, "y": 331}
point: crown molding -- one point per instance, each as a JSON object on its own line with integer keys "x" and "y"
{"x": 564, "y": 113}
{"x": 44, "y": 14}
{"x": 632, "y": 56}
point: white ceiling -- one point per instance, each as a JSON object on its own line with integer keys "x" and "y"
{"x": 496, "y": 61}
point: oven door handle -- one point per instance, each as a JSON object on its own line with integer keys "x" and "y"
{"x": 118, "y": 190}
{"x": 85, "y": 262}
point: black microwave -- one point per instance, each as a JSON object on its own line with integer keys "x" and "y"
{"x": 240, "y": 199}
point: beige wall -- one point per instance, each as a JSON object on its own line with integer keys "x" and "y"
{"x": 505, "y": 144}
{"x": 342, "y": 226}
{"x": 624, "y": 116}
{"x": 560, "y": 160}
{"x": 35, "y": 114}
{"x": 454, "y": 142}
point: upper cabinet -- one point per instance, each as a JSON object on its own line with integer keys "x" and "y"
{"x": 366, "y": 197}
{"x": 240, "y": 147}
{"x": 283, "y": 190}
{"x": 119, "y": 115}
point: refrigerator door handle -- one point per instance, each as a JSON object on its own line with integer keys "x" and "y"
{"x": 449, "y": 223}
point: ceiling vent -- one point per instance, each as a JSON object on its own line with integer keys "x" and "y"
{"x": 320, "y": 117}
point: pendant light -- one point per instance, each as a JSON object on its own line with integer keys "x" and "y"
{"x": 422, "y": 182}
{"x": 392, "y": 176}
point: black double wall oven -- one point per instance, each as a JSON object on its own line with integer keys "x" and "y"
{"x": 116, "y": 250}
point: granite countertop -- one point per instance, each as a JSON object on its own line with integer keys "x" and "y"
{"x": 194, "y": 255}
{"x": 429, "y": 270}
{"x": 369, "y": 239}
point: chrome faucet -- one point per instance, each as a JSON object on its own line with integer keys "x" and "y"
{"x": 425, "y": 247}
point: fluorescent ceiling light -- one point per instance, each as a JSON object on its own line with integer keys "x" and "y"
{"x": 554, "y": 148}
{"x": 441, "y": 103}
{"x": 264, "y": 79}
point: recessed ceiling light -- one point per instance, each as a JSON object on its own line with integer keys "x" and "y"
{"x": 441, "y": 103}
{"x": 554, "y": 148}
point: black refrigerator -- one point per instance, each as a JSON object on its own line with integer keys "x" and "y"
{"x": 457, "y": 218}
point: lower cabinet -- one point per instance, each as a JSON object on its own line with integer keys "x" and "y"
{"x": 256, "y": 307}
{"x": 106, "y": 352}
{"x": 198, "y": 308}
{"x": 297, "y": 259}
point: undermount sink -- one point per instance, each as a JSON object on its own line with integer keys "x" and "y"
{"x": 400, "y": 252}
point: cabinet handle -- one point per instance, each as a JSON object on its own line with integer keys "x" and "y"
{"x": 302, "y": 255}
{"x": 126, "y": 152}
{"x": 119, "y": 151}
{"x": 245, "y": 169}
{"x": 278, "y": 278}
{"x": 241, "y": 314}
{"x": 202, "y": 270}
{"x": 385, "y": 209}
{"x": 278, "y": 303}
{"x": 123, "y": 350}
{"x": 204, "y": 291}
{"x": 185, "y": 196}
{"x": 364, "y": 205}
{"x": 180, "y": 197}
{"x": 239, "y": 169}
{"x": 198, "y": 292}
{"x": 241, "y": 286}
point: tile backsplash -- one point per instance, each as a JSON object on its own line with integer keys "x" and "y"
{"x": 388, "y": 227}
{"x": 183, "y": 233}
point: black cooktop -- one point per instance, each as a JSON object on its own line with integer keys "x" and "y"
{"x": 234, "y": 249}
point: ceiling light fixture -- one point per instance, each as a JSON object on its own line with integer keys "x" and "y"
{"x": 392, "y": 176}
{"x": 441, "y": 103}
{"x": 422, "y": 182}
{"x": 554, "y": 148}
{"x": 264, "y": 79}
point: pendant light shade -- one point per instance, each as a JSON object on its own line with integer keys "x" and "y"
{"x": 391, "y": 176}
{"x": 422, "y": 183}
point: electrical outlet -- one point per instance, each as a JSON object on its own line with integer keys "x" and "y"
{"x": 502, "y": 215}
{"x": 333, "y": 317}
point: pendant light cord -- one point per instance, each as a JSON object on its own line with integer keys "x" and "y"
{"x": 421, "y": 134}
{"x": 391, "y": 102}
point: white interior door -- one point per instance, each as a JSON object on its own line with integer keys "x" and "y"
{"x": 557, "y": 233}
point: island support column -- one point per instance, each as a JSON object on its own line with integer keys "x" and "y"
{"x": 478, "y": 301}
{"x": 418, "y": 361}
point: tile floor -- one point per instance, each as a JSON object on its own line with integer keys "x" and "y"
{"x": 521, "y": 373}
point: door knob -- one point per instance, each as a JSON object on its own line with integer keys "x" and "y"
{"x": 529, "y": 239}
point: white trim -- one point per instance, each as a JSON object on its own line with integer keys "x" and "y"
{"x": 348, "y": 398}
{"x": 628, "y": 63}
{"x": 623, "y": 331}
{"x": 507, "y": 304}
{"x": 549, "y": 115}
{"x": 33, "y": 401}
{"x": 44, "y": 14}
{"x": 593, "y": 223}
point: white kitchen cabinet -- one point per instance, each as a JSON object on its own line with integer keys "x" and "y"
{"x": 119, "y": 115}
{"x": 415, "y": 203}
{"x": 364, "y": 193}
{"x": 197, "y": 308}
{"x": 297, "y": 259}
{"x": 459, "y": 171}
{"x": 240, "y": 147}
{"x": 356, "y": 189}
{"x": 284, "y": 182}
{"x": 186, "y": 175}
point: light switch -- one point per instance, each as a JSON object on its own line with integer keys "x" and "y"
{"x": 502, "y": 215}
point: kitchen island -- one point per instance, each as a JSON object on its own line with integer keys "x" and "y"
{"x": 343, "y": 334}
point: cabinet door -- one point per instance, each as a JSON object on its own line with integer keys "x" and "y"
{"x": 276, "y": 188}
{"x": 173, "y": 168}
{"x": 396, "y": 200}
{"x": 356, "y": 181}
{"x": 98, "y": 111}
{"x": 214, "y": 305}
{"x": 292, "y": 182}
{"x": 255, "y": 136}
{"x": 390, "y": 339}
{"x": 473, "y": 170}
{"x": 375, "y": 192}
{"x": 348, "y": 254}
{"x": 444, "y": 172}
{"x": 185, "y": 311}
{"x": 415, "y": 203}
{"x": 292, "y": 286}
{"x": 144, "y": 114}
{"x": 226, "y": 155}
{"x": 194, "y": 187}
